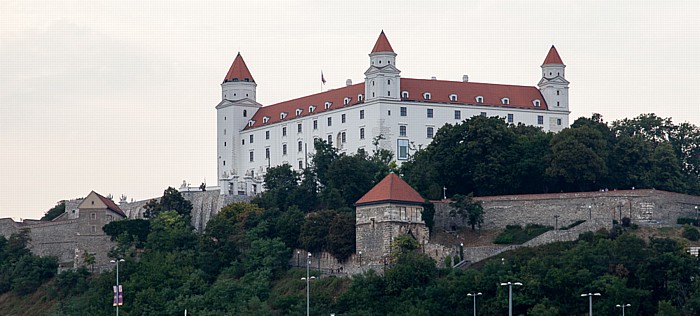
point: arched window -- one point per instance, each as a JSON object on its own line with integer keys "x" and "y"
{"x": 346, "y": 101}
{"x": 453, "y": 97}
{"x": 505, "y": 101}
{"x": 426, "y": 95}
{"x": 536, "y": 103}
{"x": 312, "y": 108}
{"x": 404, "y": 94}
{"x": 359, "y": 98}
{"x": 479, "y": 99}
{"x": 298, "y": 112}
{"x": 327, "y": 105}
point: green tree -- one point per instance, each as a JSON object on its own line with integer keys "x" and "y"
{"x": 467, "y": 208}
{"x": 579, "y": 158}
{"x": 341, "y": 236}
{"x": 55, "y": 211}
{"x": 314, "y": 231}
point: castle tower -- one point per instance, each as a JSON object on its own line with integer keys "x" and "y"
{"x": 236, "y": 108}
{"x": 390, "y": 209}
{"x": 553, "y": 84}
{"x": 382, "y": 77}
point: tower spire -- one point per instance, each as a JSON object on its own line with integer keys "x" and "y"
{"x": 553, "y": 57}
{"x": 382, "y": 45}
{"x": 239, "y": 71}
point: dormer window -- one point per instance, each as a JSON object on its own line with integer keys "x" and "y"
{"x": 298, "y": 112}
{"x": 327, "y": 105}
{"x": 453, "y": 97}
{"x": 312, "y": 109}
{"x": 266, "y": 119}
{"x": 426, "y": 95}
{"x": 404, "y": 94}
{"x": 536, "y": 103}
{"x": 359, "y": 98}
{"x": 251, "y": 123}
{"x": 479, "y": 99}
{"x": 505, "y": 101}
{"x": 346, "y": 101}
{"x": 283, "y": 115}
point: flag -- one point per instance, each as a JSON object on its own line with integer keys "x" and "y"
{"x": 120, "y": 300}
{"x": 115, "y": 298}
{"x": 323, "y": 80}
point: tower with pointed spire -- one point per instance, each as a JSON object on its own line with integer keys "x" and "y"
{"x": 382, "y": 79}
{"x": 234, "y": 112}
{"x": 553, "y": 85}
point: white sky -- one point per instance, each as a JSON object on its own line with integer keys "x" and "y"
{"x": 118, "y": 96}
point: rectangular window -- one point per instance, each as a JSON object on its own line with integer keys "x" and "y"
{"x": 252, "y": 156}
{"x": 301, "y": 165}
{"x": 362, "y": 114}
{"x": 330, "y": 140}
{"x": 251, "y": 138}
{"x": 299, "y": 146}
{"x": 267, "y": 153}
{"x": 284, "y": 149}
{"x": 402, "y": 130}
{"x": 483, "y": 114}
{"x": 93, "y": 228}
{"x": 404, "y": 112}
{"x": 93, "y": 215}
{"x": 510, "y": 118}
{"x": 429, "y": 132}
{"x": 342, "y": 138}
{"x": 267, "y": 134}
{"x": 558, "y": 121}
{"x": 342, "y": 118}
{"x": 298, "y": 128}
{"x": 330, "y": 121}
{"x": 284, "y": 131}
{"x": 315, "y": 124}
{"x": 362, "y": 133}
{"x": 540, "y": 119}
{"x": 430, "y": 113}
{"x": 403, "y": 149}
{"x": 458, "y": 115}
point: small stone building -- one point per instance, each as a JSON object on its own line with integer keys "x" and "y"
{"x": 391, "y": 208}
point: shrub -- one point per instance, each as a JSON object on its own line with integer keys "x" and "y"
{"x": 626, "y": 222}
{"x": 691, "y": 233}
{"x": 686, "y": 220}
{"x": 516, "y": 234}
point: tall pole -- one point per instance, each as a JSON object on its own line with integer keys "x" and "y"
{"x": 474, "y": 295}
{"x": 623, "y": 307}
{"x": 590, "y": 301}
{"x": 118, "y": 291}
{"x": 510, "y": 295}
{"x": 117, "y": 287}
{"x": 308, "y": 264}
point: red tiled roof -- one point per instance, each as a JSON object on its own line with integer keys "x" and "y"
{"x": 110, "y": 205}
{"x": 238, "y": 71}
{"x": 440, "y": 91}
{"x": 391, "y": 188}
{"x": 336, "y": 97}
{"x": 382, "y": 44}
{"x": 553, "y": 57}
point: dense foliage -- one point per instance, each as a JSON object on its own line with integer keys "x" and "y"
{"x": 487, "y": 156}
{"x": 20, "y": 271}
{"x": 55, "y": 211}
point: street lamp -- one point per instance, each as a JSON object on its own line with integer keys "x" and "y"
{"x": 307, "y": 279}
{"x": 118, "y": 296}
{"x": 696, "y": 216}
{"x": 590, "y": 302}
{"x": 474, "y": 295}
{"x": 590, "y": 213}
{"x": 556, "y": 222}
{"x": 510, "y": 295}
{"x": 461, "y": 251}
{"x": 623, "y": 307}
{"x": 360, "y": 253}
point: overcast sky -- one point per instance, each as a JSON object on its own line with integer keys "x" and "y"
{"x": 118, "y": 96}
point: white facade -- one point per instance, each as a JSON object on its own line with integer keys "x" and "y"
{"x": 405, "y": 113}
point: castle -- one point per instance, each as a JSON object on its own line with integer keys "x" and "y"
{"x": 398, "y": 114}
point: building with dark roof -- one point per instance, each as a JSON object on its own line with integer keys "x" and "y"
{"x": 401, "y": 114}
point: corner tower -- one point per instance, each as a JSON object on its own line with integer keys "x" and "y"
{"x": 553, "y": 85}
{"x": 236, "y": 108}
{"x": 391, "y": 208}
{"x": 382, "y": 77}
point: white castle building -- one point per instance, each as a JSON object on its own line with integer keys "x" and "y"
{"x": 403, "y": 114}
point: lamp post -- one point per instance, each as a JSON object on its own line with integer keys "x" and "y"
{"x": 590, "y": 213}
{"x": 623, "y": 307}
{"x": 461, "y": 251}
{"x": 307, "y": 279}
{"x": 590, "y": 301}
{"x": 556, "y": 222}
{"x": 474, "y": 295}
{"x": 696, "y": 216}
{"x": 360, "y": 253}
{"x": 298, "y": 253}
{"x": 117, "y": 290}
{"x": 510, "y": 295}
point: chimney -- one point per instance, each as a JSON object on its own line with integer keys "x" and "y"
{"x": 433, "y": 78}
{"x": 348, "y": 82}
{"x": 465, "y": 78}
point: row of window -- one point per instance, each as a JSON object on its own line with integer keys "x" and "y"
{"x": 343, "y": 120}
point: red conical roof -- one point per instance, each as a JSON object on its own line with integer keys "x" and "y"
{"x": 382, "y": 44}
{"x": 391, "y": 189}
{"x": 553, "y": 57}
{"x": 239, "y": 71}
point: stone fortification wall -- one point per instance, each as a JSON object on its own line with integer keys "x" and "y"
{"x": 8, "y": 227}
{"x": 642, "y": 206}
{"x": 205, "y": 204}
